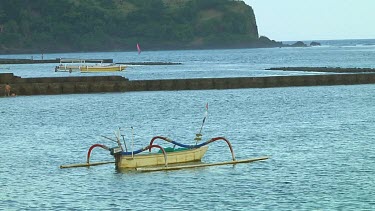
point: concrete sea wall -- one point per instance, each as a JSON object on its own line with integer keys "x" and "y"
{"x": 251, "y": 82}
{"x": 97, "y": 84}
{"x": 326, "y": 69}
{"x": 62, "y": 85}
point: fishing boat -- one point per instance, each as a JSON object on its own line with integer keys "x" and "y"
{"x": 170, "y": 158}
{"x": 180, "y": 156}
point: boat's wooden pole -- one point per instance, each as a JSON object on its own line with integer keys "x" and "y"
{"x": 118, "y": 140}
{"x": 132, "y": 142}
{"x": 85, "y": 164}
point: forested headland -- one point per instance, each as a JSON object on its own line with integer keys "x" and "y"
{"x": 117, "y": 25}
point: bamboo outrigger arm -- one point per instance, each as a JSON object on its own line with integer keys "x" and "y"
{"x": 195, "y": 146}
{"x": 92, "y": 147}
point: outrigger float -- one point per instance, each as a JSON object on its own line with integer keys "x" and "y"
{"x": 171, "y": 158}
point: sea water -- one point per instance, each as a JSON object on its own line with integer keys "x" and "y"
{"x": 320, "y": 140}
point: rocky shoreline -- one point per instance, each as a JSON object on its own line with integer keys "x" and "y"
{"x": 262, "y": 42}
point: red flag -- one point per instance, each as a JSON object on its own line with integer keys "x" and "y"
{"x": 139, "y": 49}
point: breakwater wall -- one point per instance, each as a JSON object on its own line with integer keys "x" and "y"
{"x": 325, "y": 69}
{"x": 62, "y": 85}
{"x": 97, "y": 84}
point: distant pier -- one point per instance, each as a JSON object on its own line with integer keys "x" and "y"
{"x": 149, "y": 63}
{"x": 57, "y": 60}
{"x": 67, "y": 60}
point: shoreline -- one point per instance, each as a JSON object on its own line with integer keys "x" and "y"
{"x": 58, "y": 60}
{"x": 245, "y": 45}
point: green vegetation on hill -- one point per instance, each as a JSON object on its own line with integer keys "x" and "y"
{"x": 110, "y": 25}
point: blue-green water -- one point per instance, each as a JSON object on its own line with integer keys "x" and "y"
{"x": 320, "y": 139}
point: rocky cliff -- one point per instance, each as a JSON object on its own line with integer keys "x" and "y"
{"x": 116, "y": 25}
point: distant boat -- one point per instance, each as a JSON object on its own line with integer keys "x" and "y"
{"x": 80, "y": 65}
{"x": 71, "y": 65}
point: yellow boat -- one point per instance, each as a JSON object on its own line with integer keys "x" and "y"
{"x": 171, "y": 158}
{"x": 188, "y": 156}
{"x": 159, "y": 159}
{"x": 100, "y": 68}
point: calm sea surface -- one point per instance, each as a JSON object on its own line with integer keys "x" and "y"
{"x": 320, "y": 140}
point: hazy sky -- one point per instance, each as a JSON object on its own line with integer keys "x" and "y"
{"x": 293, "y": 20}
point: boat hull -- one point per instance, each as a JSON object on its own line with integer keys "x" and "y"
{"x": 89, "y": 69}
{"x": 157, "y": 159}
